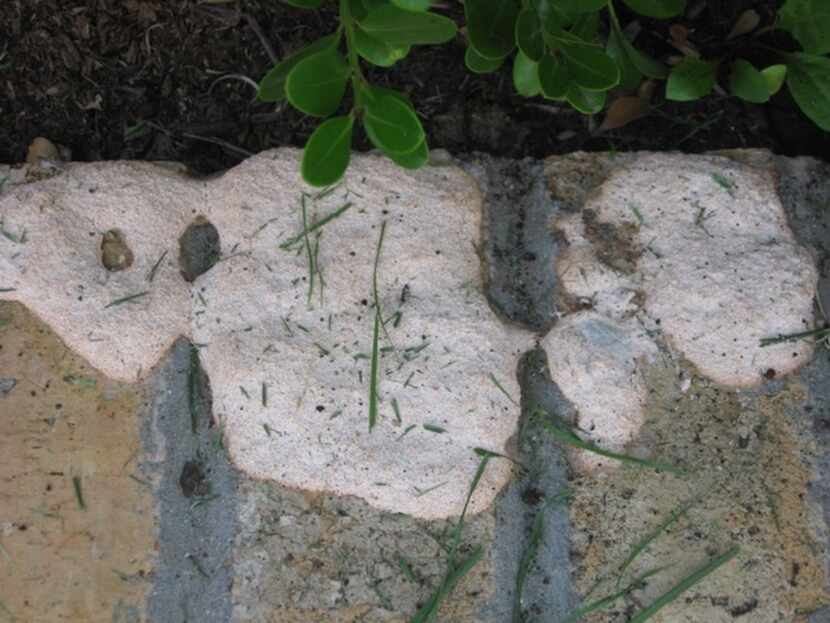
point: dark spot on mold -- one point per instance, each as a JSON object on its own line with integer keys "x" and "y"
{"x": 199, "y": 248}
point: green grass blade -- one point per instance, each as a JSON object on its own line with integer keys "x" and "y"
{"x": 430, "y": 610}
{"x": 309, "y": 252}
{"x": 126, "y": 299}
{"x": 528, "y": 556}
{"x": 288, "y": 244}
{"x": 608, "y": 600}
{"x": 373, "y": 374}
{"x": 685, "y": 584}
{"x": 648, "y": 539}
{"x": 572, "y": 439}
{"x": 501, "y": 389}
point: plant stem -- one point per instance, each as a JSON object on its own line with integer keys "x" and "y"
{"x": 348, "y": 22}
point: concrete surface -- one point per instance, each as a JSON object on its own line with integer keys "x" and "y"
{"x": 177, "y": 526}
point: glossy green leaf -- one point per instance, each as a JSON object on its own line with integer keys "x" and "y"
{"x": 627, "y": 56}
{"x": 630, "y": 76}
{"x": 391, "y": 125}
{"x": 809, "y": 22}
{"x": 491, "y": 26}
{"x": 414, "y": 159}
{"x": 774, "y": 76}
{"x": 272, "y": 86}
{"x": 660, "y": 9}
{"x": 526, "y": 76}
{"x": 378, "y": 52}
{"x": 588, "y": 102}
{"x": 808, "y": 77}
{"x": 590, "y": 67}
{"x": 398, "y": 26}
{"x": 691, "y": 79}
{"x": 317, "y": 83}
{"x": 586, "y": 26}
{"x": 327, "y": 152}
{"x": 304, "y": 4}
{"x": 358, "y": 9}
{"x": 573, "y": 7}
{"x": 477, "y": 64}
{"x": 748, "y": 83}
{"x": 529, "y": 35}
{"x": 412, "y": 5}
{"x": 553, "y": 77}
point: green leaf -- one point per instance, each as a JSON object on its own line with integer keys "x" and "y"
{"x": 392, "y": 125}
{"x": 748, "y": 83}
{"x": 590, "y": 67}
{"x": 413, "y": 160}
{"x": 412, "y": 5}
{"x": 526, "y": 76}
{"x": 304, "y": 4}
{"x": 586, "y": 26}
{"x": 398, "y": 26}
{"x": 317, "y": 83}
{"x": 588, "y": 102}
{"x": 573, "y": 7}
{"x": 808, "y": 77}
{"x": 327, "y": 152}
{"x": 358, "y": 9}
{"x": 626, "y": 54}
{"x": 491, "y": 26}
{"x": 529, "y": 35}
{"x": 630, "y": 76}
{"x": 774, "y": 75}
{"x": 477, "y": 64}
{"x": 809, "y": 22}
{"x": 272, "y": 86}
{"x": 660, "y": 9}
{"x": 378, "y": 52}
{"x": 553, "y": 77}
{"x": 690, "y": 80}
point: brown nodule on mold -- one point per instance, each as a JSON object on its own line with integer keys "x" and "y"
{"x": 116, "y": 255}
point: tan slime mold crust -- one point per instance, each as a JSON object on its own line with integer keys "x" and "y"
{"x": 290, "y": 383}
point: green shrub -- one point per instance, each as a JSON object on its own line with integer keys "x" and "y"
{"x": 556, "y": 55}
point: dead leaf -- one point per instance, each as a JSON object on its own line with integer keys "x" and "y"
{"x": 679, "y": 35}
{"x": 746, "y": 23}
{"x": 622, "y": 111}
{"x": 680, "y": 40}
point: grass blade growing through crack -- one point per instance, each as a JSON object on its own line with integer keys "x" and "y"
{"x": 373, "y": 372}
{"x": 455, "y": 572}
{"x": 572, "y": 439}
{"x": 430, "y": 609}
{"x": 685, "y": 584}
{"x": 528, "y": 556}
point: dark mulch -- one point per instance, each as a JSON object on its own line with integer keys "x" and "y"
{"x": 161, "y": 80}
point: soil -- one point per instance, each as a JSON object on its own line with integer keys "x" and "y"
{"x": 175, "y": 80}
